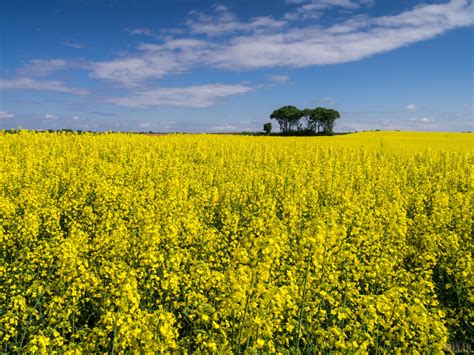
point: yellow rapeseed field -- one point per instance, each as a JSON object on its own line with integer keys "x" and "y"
{"x": 209, "y": 243}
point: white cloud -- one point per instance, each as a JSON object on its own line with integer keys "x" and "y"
{"x": 329, "y": 3}
{"x": 24, "y": 83}
{"x": 364, "y": 39}
{"x": 361, "y": 123}
{"x": 6, "y": 114}
{"x": 43, "y": 67}
{"x": 157, "y": 126}
{"x": 74, "y": 44}
{"x": 235, "y": 126}
{"x": 221, "y": 20}
{"x": 327, "y": 100}
{"x": 422, "y": 120}
{"x": 260, "y": 42}
{"x": 181, "y": 44}
{"x": 448, "y": 15}
{"x": 142, "y": 32}
{"x": 154, "y": 61}
{"x": 224, "y": 127}
{"x": 50, "y": 116}
{"x": 193, "y": 96}
{"x": 132, "y": 71}
{"x": 279, "y": 78}
{"x": 311, "y": 9}
{"x": 268, "y": 43}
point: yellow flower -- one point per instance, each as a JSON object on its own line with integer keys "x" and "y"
{"x": 132, "y": 243}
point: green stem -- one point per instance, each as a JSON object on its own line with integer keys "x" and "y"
{"x": 300, "y": 321}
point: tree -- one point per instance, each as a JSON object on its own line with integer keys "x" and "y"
{"x": 287, "y": 117}
{"x": 322, "y": 120}
{"x": 329, "y": 121}
{"x": 267, "y": 127}
{"x": 307, "y": 113}
{"x": 316, "y": 118}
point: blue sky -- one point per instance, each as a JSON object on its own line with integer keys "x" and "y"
{"x": 223, "y": 66}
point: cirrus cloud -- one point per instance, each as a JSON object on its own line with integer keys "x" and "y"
{"x": 199, "y": 96}
{"x": 24, "y": 83}
{"x": 6, "y": 114}
{"x": 268, "y": 43}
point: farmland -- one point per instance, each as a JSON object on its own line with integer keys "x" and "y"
{"x": 209, "y": 243}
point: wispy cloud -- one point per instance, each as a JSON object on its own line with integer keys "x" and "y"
{"x": 157, "y": 126}
{"x": 220, "y": 20}
{"x": 142, "y": 31}
{"x": 279, "y": 78}
{"x": 74, "y": 44}
{"x": 422, "y": 120}
{"x": 322, "y": 46}
{"x": 226, "y": 127}
{"x": 50, "y": 116}
{"x": 134, "y": 70}
{"x": 327, "y": 100}
{"x": 24, "y": 83}
{"x": 193, "y": 96}
{"x": 46, "y": 67}
{"x": 239, "y": 126}
{"x": 6, "y": 114}
{"x": 311, "y": 9}
{"x": 106, "y": 114}
{"x": 43, "y": 67}
{"x": 219, "y": 39}
{"x": 365, "y": 123}
{"x": 153, "y": 62}
{"x": 268, "y": 43}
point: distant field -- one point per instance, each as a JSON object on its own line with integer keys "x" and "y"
{"x": 121, "y": 242}
{"x": 414, "y": 140}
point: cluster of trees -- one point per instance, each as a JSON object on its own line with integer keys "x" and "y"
{"x": 291, "y": 119}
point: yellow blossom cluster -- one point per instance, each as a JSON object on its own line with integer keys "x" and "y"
{"x": 208, "y": 243}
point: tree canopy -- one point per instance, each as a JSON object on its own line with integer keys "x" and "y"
{"x": 318, "y": 120}
{"x": 267, "y": 127}
{"x": 287, "y": 117}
